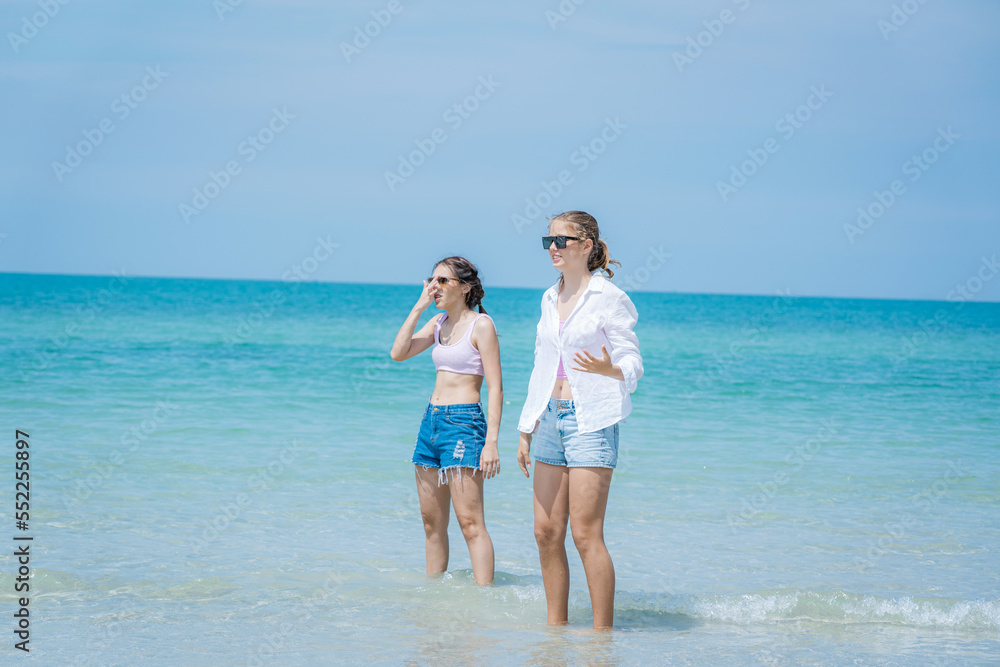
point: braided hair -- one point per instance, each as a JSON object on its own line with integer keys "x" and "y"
{"x": 467, "y": 272}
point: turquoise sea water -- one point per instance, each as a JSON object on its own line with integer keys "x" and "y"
{"x": 220, "y": 475}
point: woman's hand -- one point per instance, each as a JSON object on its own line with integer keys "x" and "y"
{"x": 523, "y": 453}
{"x": 602, "y": 366}
{"x": 426, "y": 298}
{"x": 489, "y": 461}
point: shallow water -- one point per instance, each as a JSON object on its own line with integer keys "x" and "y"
{"x": 220, "y": 475}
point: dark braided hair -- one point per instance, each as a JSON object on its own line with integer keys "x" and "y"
{"x": 467, "y": 272}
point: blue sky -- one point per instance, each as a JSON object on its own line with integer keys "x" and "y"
{"x": 723, "y": 146}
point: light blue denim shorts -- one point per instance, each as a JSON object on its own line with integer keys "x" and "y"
{"x": 558, "y": 443}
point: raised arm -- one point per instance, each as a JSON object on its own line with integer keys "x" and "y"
{"x": 407, "y": 343}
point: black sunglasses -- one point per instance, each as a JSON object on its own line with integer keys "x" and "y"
{"x": 560, "y": 241}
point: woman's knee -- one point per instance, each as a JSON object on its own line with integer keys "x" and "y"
{"x": 549, "y": 533}
{"x": 434, "y": 523}
{"x": 472, "y": 525}
{"x": 588, "y": 538}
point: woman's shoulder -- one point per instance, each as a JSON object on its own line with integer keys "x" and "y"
{"x": 618, "y": 301}
{"x": 485, "y": 322}
{"x": 612, "y": 291}
{"x": 483, "y": 325}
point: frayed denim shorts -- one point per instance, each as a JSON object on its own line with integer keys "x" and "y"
{"x": 451, "y": 436}
{"x": 558, "y": 443}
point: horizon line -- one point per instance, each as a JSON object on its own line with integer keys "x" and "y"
{"x": 392, "y": 284}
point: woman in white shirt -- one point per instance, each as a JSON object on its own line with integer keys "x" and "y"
{"x": 587, "y": 362}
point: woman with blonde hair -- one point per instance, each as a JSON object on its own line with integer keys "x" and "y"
{"x": 587, "y": 363}
{"x": 454, "y": 434}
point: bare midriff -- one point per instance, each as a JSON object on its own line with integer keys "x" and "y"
{"x": 454, "y": 388}
{"x": 562, "y": 390}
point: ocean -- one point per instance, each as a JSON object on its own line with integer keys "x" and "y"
{"x": 219, "y": 474}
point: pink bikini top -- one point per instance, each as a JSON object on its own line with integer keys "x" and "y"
{"x": 461, "y": 357}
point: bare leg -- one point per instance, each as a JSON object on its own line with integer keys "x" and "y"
{"x": 467, "y": 496}
{"x": 435, "y": 511}
{"x": 551, "y": 513}
{"x": 588, "y": 500}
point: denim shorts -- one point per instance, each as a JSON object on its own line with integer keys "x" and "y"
{"x": 558, "y": 443}
{"x": 451, "y": 436}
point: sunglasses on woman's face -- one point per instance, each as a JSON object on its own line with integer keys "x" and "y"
{"x": 560, "y": 241}
{"x": 441, "y": 280}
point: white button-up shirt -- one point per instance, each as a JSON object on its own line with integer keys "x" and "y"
{"x": 603, "y": 315}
